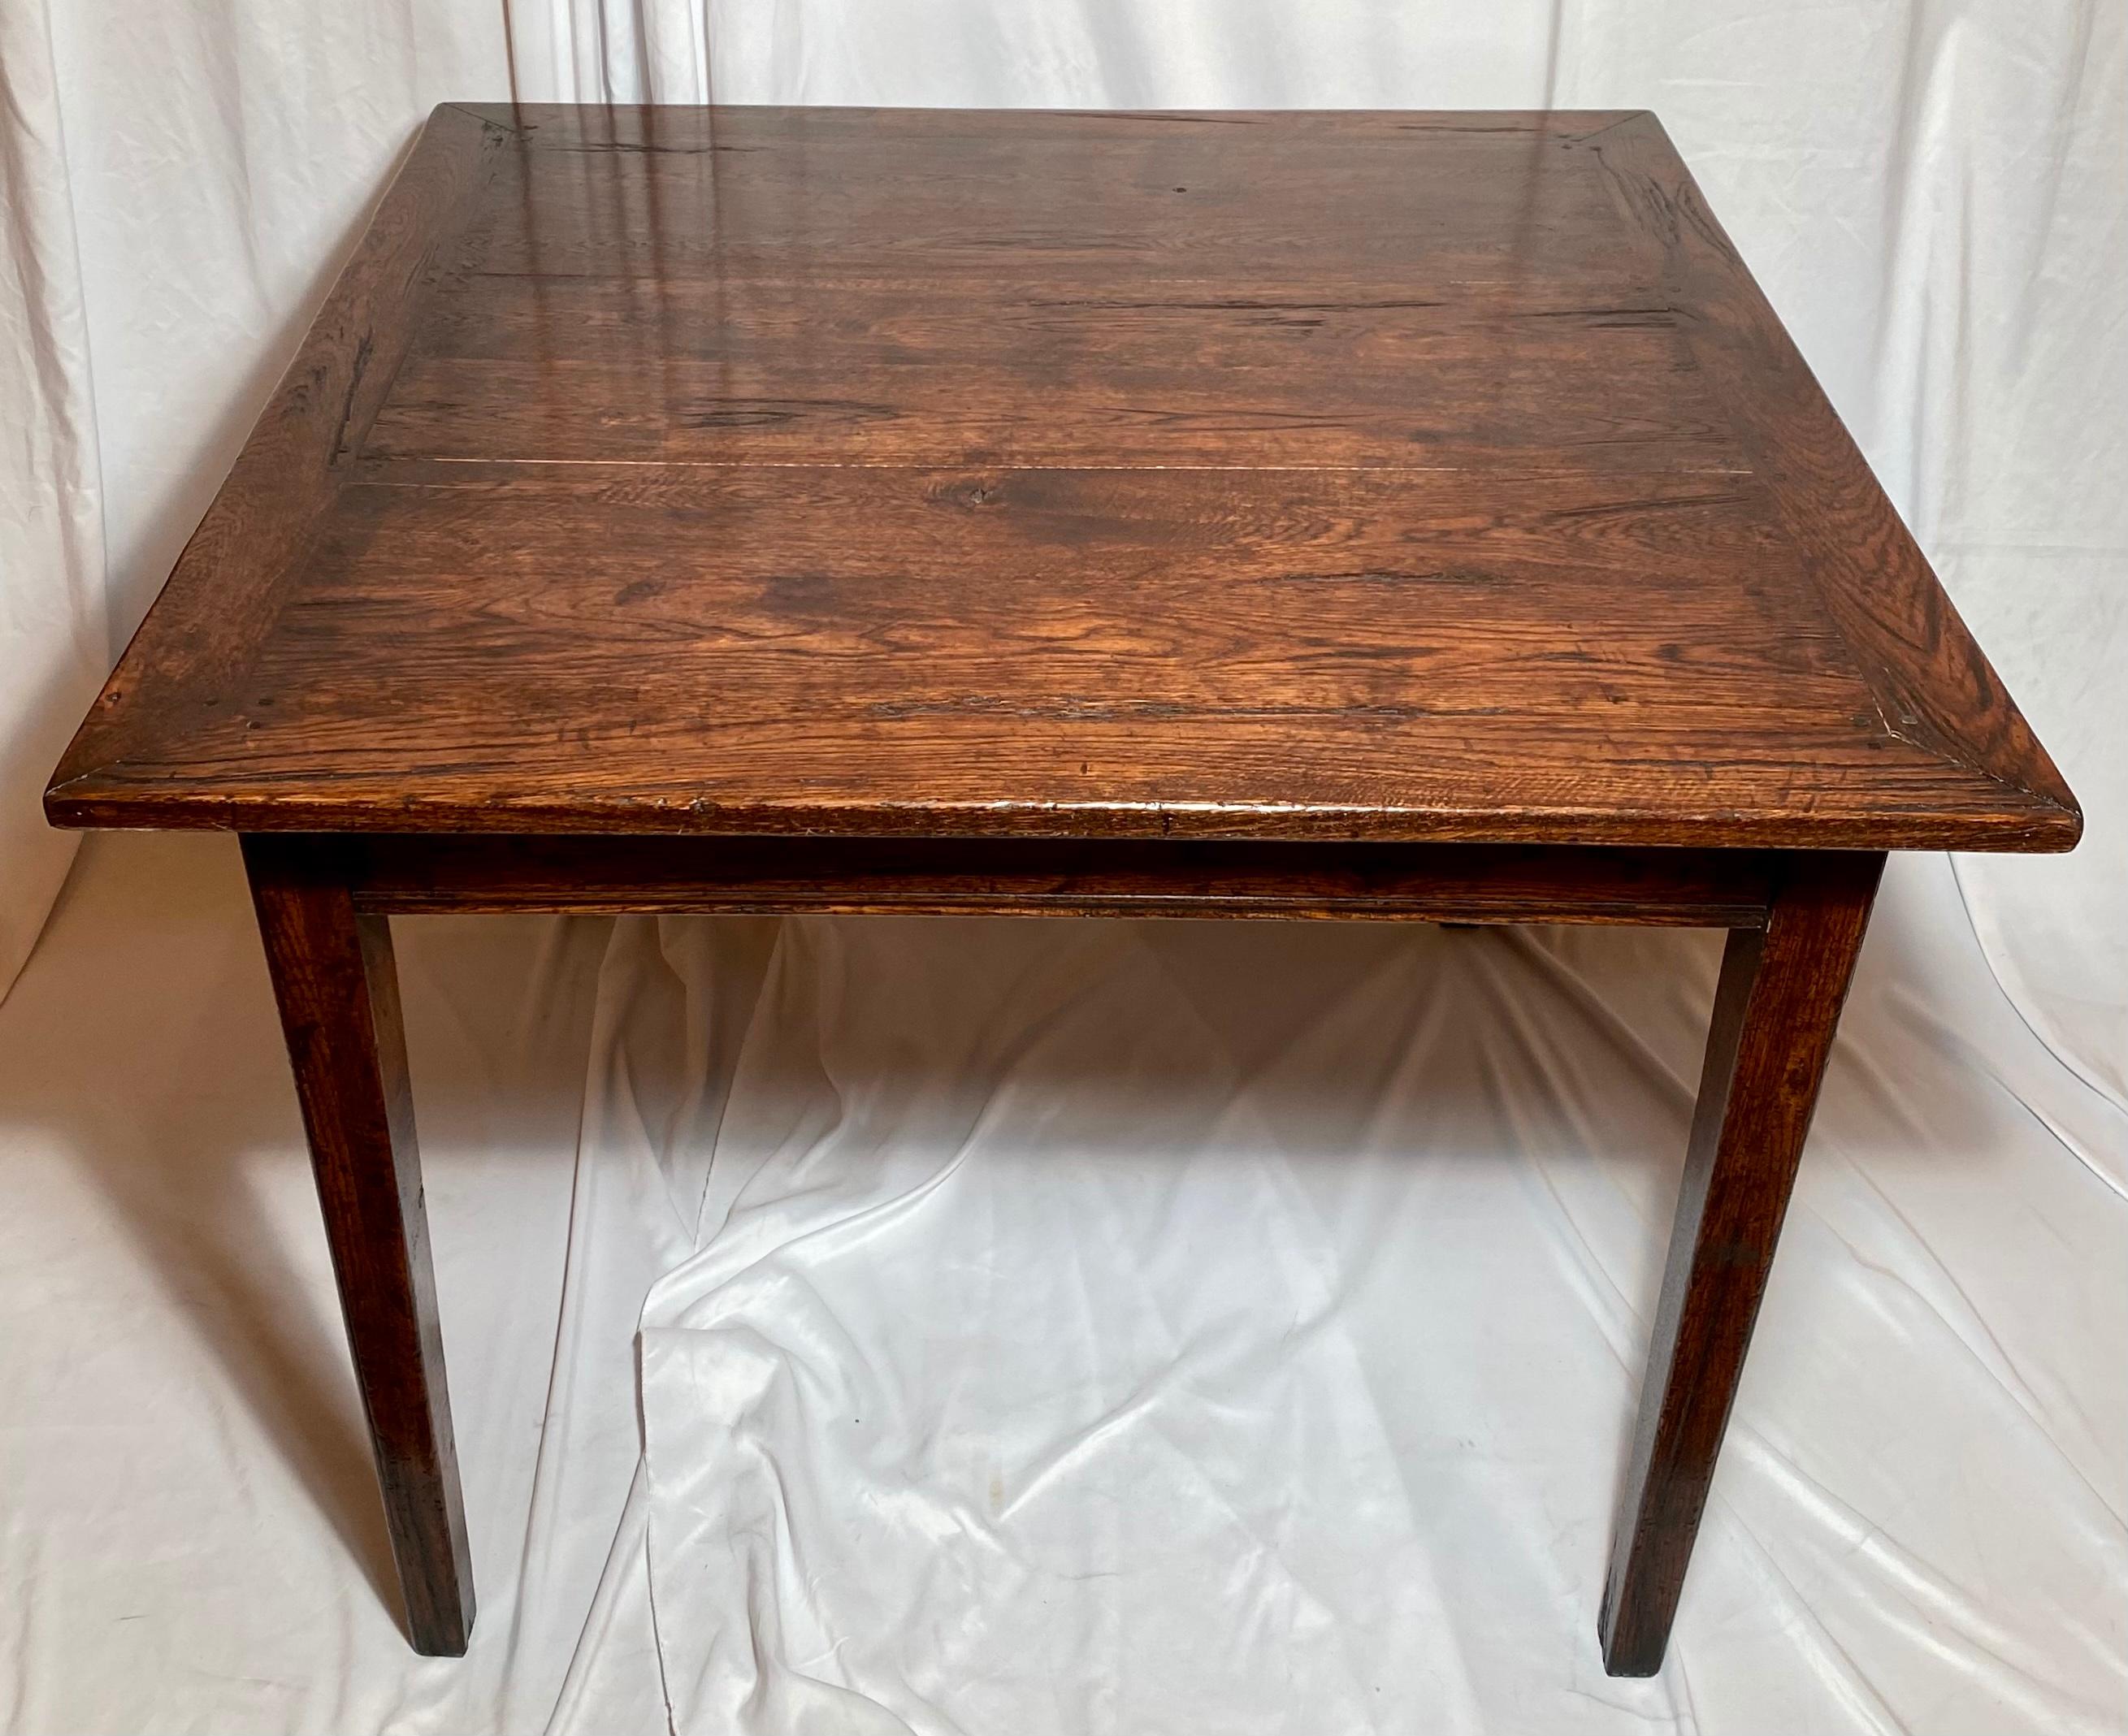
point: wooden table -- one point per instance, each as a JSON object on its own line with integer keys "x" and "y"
{"x": 1393, "y": 515}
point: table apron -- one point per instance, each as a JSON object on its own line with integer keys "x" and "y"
{"x": 430, "y": 874}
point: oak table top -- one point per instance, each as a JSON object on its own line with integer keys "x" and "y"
{"x": 1381, "y": 476}
{"x": 1416, "y": 516}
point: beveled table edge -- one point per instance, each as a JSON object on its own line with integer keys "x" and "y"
{"x": 2036, "y": 824}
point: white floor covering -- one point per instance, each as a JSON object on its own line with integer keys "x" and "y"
{"x": 928, "y": 1326}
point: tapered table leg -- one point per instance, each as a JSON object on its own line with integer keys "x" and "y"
{"x": 1775, "y": 1013}
{"x": 339, "y": 997}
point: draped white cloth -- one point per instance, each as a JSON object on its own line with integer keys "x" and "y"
{"x": 1071, "y": 1326}
{"x": 51, "y": 531}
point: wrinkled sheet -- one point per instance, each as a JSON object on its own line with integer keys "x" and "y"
{"x": 1046, "y": 1325}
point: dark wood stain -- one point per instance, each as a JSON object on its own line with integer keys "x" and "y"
{"x": 1775, "y": 1013}
{"x": 417, "y": 874}
{"x": 339, "y": 996}
{"x": 928, "y": 473}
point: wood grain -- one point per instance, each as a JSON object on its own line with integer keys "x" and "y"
{"x": 1932, "y": 686}
{"x": 1775, "y": 1011}
{"x": 1326, "y": 476}
{"x": 339, "y": 997}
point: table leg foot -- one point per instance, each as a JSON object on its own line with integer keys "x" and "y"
{"x": 1775, "y": 1013}
{"x": 339, "y": 997}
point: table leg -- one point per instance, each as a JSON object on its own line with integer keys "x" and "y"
{"x": 1774, "y": 1013}
{"x": 339, "y": 997}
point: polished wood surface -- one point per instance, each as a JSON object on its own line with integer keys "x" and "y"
{"x": 1335, "y": 476}
{"x": 339, "y": 997}
{"x": 1775, "y": 1010}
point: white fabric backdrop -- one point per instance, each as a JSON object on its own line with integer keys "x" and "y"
{"x": 51, "y": 556}
{"x": 1246, "y": 1434}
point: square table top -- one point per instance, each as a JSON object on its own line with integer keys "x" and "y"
{"x": 1330, "y": 476}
